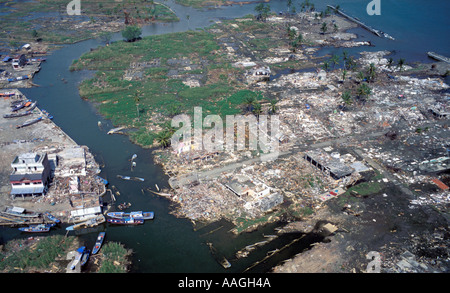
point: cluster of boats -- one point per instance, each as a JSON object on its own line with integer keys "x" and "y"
{"x": 18, "y": 105}
{"x": 84, "y": 253}
{"x": 37, "y": 228}
{"x": 28, "y": 106}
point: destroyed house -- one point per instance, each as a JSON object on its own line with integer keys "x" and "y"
{"x": 31, "y": 174}
{"x": 238, "y": 188}
{"x": 19, "y": 61}
{"x": 327, "y": 164}
{"x": 439, "y": 111}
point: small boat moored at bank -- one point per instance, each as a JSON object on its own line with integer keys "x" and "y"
{"x": 85, "y": 257}
{"x": 126, "y": 221}
{"x": 39, "y": 228}
{"x": 52, "y": 218}
{"x": 98, "y": 242}
{"x": 134, "y": 215}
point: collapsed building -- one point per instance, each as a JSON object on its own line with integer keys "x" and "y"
{"x": 258, "y": 73}
{"x": 257, "y": 195}
{"x": 327, "y": 164}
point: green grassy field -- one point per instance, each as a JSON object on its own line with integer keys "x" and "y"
{"x": 135, "y": 103}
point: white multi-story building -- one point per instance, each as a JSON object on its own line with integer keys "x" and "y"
{"x": 31, "y": 174}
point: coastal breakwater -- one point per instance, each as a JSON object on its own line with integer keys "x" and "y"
{"x": 73, "y": 183}
{"x": 360, "y": 23}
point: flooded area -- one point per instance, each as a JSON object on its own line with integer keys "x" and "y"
{"x": 384, "y": 207}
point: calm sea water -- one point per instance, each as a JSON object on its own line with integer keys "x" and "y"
{"x": 169, "y": 244}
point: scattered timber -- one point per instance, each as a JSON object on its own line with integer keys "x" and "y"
{"x": 270, "y": 253}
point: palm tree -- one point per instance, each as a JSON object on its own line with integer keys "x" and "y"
{"x": 297, "y": 42}
{"x": 390, "y": 61}
{"x": 350, "y": 63}
{"x": 248, "y": 103}
{"x": 401, "y": 62}
{"x": 335, "y": 60}
{"x": 163, "y": 138}
{"x": 371, "y": 71}
{"x": 257, "y": 108}
{"x": 324, "y": 28}
{"x": 344, "y": 75}
{"x": 273, "y": 106}
{"x": 291, "y": 33}
{"x": 326, "y": 65}
{"x": 363, "y": 91}
{"x": 347, "y": 98}
{"x": 361, "y": 76}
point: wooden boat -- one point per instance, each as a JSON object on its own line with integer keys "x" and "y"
{"x": 7, "y": 94}
{"x": 85, "y": 257}
{"x": 52, "y": 218}
{"x": 29, "y": 122}
{"x": 28, "y": 112}
{"x": 134, "y": 215}
{"x": 18, "y": 106}
{"x": 88, "y": 224}
{"x": 37, "y": 228}
{"x": 131, "y": 178}
{"x": 18, "y": 78}
{"x": 99, "y": 242}
{"x": 102, "y": 180}
{"x": 80, "y": 251}
{"x": 126, "y": 221}
{"x": 20, "y": 212}
{"x": 15, "y": 115}
{"x": 49, "y": 116}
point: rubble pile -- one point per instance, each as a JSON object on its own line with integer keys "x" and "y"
{"x": 427, "y": 252}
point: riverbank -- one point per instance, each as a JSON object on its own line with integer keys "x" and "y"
{"x": 68, "y": 161}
